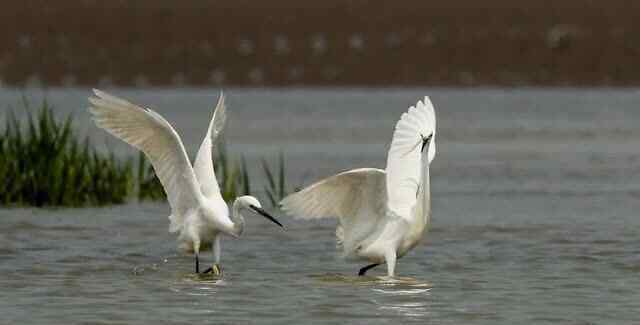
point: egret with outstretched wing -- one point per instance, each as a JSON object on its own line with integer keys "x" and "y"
{"x": 198, "y": 213}
{"x": 382, "y": 214}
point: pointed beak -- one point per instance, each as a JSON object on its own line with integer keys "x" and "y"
{"x": 263, "y": 213}
{"x": 425, "y": 141}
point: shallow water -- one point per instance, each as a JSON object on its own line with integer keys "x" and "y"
{"x": 535, "y": 193}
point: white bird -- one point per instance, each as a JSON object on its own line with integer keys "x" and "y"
{"x": 382, "y": 214}
{"x": 198, "y": 212}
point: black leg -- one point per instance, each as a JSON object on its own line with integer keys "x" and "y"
{"x": 197, "y": 264}
{"x": 367, "y": 268}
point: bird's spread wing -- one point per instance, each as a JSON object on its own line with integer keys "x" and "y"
{"x": 356, "y": 197}
{"x": 152, "y": 134}
{"x": 203, "y": 165}
{"x": 338, "y": 196}
{"x": 403, "y": 159}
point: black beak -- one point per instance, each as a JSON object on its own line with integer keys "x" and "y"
{"x": 263, "y": 213}
{"x": 425, "y": 141}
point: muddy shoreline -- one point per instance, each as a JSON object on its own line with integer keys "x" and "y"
{"x": 333, "y": 43}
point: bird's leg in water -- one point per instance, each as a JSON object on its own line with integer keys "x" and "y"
{"x": 367, "y": 268}
{"x": 216, "y": 269}
{"x": 217, "y": 248}
{"x": 196, "y": 252}
{"x": 390, "y": 257}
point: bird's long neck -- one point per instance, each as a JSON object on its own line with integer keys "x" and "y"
{"x": 237, "y": 218}
{"x": 423, "y": 208}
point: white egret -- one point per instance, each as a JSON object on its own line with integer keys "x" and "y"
{"x": 382, "y": 214}
{"x": 198, "y": 213}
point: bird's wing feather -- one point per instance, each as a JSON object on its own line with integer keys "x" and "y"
{"x": 356, "y": 197}
{"x": 203, "y": 165}
{"x": 403, "y": 160}
{"x": 149, "y": 132}
{"x": 337, "y": 196}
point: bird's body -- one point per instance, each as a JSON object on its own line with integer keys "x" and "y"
{"x": 199, "y": 228}
{"x": 382, "y": 214}
{"x": 198, "y": 212}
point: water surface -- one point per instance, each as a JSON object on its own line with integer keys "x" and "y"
{"x": 535, "y": 196}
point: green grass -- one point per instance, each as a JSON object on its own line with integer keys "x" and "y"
{"x": 43, "y": 162}
{"x": 276, "y": 188}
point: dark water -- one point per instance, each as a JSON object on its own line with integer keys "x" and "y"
{"x": 536, "y": 196}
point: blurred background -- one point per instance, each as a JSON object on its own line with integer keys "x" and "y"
{"x": 319, "y": 43}
{"x": 536, "y": 183}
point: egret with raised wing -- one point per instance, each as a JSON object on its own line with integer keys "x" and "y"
{"x": 382, "y": 214}
{"x": 198, "y": 212}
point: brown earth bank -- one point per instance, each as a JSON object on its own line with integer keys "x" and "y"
{"x": 320, "y": 43}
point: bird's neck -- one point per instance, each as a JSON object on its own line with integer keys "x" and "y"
{"x": 421, "y": 212}
{"x": 423, "y": 208}
{"x": 237, "y": 219}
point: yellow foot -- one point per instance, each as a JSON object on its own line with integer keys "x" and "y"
{"x": 215, "y": 269}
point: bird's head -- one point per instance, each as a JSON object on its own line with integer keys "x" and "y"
{"x": 250, "y": 203}
{"x": 429, "y": 146}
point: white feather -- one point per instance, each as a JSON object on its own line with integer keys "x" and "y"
{"x": 403, "y": 159}
{"x": 199, "y": 219}
{"x": 379, "y": 213}
{"x": 356, "y": 197}
{"x": 152, "y": 134}
{"x": 203, "y": 165}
